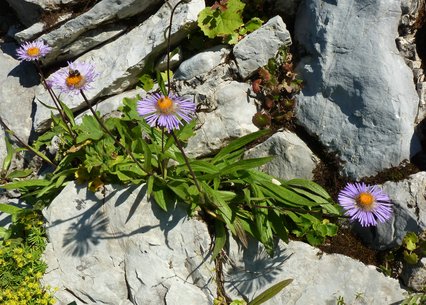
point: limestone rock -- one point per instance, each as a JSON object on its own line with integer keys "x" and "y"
{"x": 254, "y": 50}
{"x": 18, "y": 81}
{"x": 414, "y": 276}
{"x": 358, "y": 96}
{"x": 121, "y": 249}
{"x": 409, "y": 206}
{"x": 292, "y": 157}
{"x": 201, "y": 63}
{"x": 142, "y": 43}
{"x": 231, "y": 119}
{"x": 318, "y": 278}
{"x": 101, "y": 13}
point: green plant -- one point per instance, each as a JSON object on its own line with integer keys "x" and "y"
{"x": 261, "y": 298}
{"x": 414, "y": 299}
{"x": 225, "y": 19}
{"x": 224, "y": 189}
{"x": 414, "y": 247}
{"x": 20, "y": 260}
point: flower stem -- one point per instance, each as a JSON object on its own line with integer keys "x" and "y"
{"x": 169, "y": 43}
{"x": 55, "y": 100}
{"x": 129, "y": 153}
{"x": 197, "y": 185}
{"x": 28, "y": 147}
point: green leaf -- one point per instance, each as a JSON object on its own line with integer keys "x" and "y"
{"x": 19, "y": 173}
{"x": 253, "y": 24}
{"x": 410, "y": 258}
{"x": 5, "y": 233}
{"x": 9, "y": 153}
{"x": 270, "y": 292}
{"x": 220, "y": 238}
{"x": 25, "y": 184}
{"x": 89, "y": 129}
{"x": 284, "y": 196}
{"x": 239, "y": 143}
{"x": 245, "y": 164}
{"x": 147, "y": 82}
{"x": 161, "y": 83}
{"x": 147, "y": 164}
{"x": 216, "y": 23}
{"x": 10, "y": 209}
{"x": 410, "y": 241}
{"x": 69, "y": 114}
{"x": 310, "y": 186}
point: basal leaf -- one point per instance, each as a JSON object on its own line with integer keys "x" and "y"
{"x": 19, "y": 173}
{"x": 220, "y": 238}
{"x": 239, "y": 143}
{"x": 9, "y": 209}
{"x": 270, "y": 292}
{"x": 24, "y": 184}
{"x": 9, "y": 153}
{"x": 310, "y": 186}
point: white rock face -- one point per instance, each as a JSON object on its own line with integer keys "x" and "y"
{"x": 123, "y": 250}
{"x": 254, "y": 50}
{"x": 18, "y": 82}
{"x": 292, "y": 157}
{"x": 318, "y": 278}
{"x": 201, "y": 63}
{"x": 231, "y": 119}
{"x": 101, "y": 13}
{"x": 119, "y": 72}
{"x": 358, "y": 96}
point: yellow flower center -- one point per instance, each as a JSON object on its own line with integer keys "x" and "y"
{"x": 365, "y": 200}
{"x": 33, "y": 51}
{"x": 75, "y": 79}
{"x": 165, "y": 105}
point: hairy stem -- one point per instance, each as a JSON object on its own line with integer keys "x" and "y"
{"x": 55, "y": 101}
{"x": 169, "y": 44}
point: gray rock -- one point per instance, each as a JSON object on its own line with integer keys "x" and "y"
{"x": 409, "y": 206}
{"x": 103, "y": 12}
{"x": 118, "y": 73}
{"x": 231, "y": 119}
{"x": 18, "y": 83}
{"x": 201, "y": 63}
{"x": 414, "y": 276}
{"x": 292, "y": 157}
{"x": 121, "y": 249}
{"x": 254, "y": 50}
{"x": 318, "y": 278}
{"x": 358, "y": 96}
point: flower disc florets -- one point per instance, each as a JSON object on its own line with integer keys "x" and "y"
{"x": 365, "y": 203}
{"x": 30, "y": 51}
{"x": 77, "y": 76}
{"x": 166, "y": 111}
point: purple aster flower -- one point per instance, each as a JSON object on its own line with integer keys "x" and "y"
{"x": 365, "y": 203}
{"x": 77, "y": 76}
{"x": 30, "y": 51}
{"x": 166, "y": 111}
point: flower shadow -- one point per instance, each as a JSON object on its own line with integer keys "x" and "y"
{"x": 254, "y": 271}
